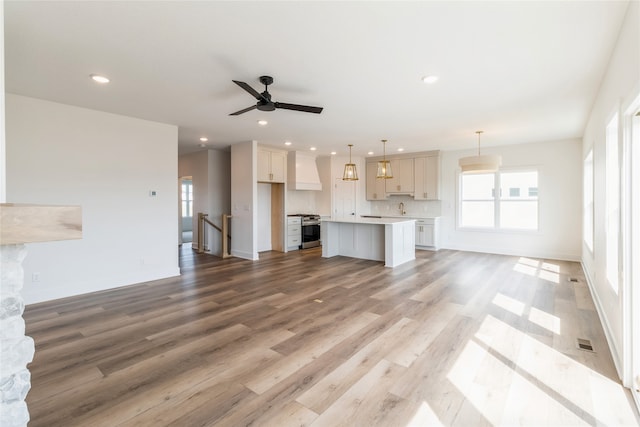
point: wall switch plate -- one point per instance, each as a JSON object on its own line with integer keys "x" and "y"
{"x": 35, "y": 277}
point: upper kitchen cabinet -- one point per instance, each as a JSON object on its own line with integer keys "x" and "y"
{"x": 403, "y": 179}
{"x": 375, "y": 186}
{"x": 427, "y": 178}
{"x": 271, "y": 165}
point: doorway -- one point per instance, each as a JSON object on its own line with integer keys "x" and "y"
{"x": 344, "y": 200}
{"x": 186, "y": 210}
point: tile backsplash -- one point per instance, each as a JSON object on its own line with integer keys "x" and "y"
{"x": 417, "y": 208}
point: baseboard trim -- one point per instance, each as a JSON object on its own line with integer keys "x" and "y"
{"x": 615, "y": 354}
{"x": 245, "y": 255}
{"x": 498, "y": 251}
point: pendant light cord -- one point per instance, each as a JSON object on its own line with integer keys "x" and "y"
{"x": 479, "y": 132}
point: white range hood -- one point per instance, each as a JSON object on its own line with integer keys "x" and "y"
{"x": 302, "y": 172}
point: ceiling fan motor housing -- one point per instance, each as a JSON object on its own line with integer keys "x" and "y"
{"x": 266, "y": 80}
{"x": 266, "y": 106}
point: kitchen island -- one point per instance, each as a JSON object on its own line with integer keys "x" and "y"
{"x": 391, "y": 240}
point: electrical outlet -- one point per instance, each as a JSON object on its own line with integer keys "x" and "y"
{"x": 35, "y": 277}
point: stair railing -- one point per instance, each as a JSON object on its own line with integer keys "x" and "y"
{"x": 224, "y": 231}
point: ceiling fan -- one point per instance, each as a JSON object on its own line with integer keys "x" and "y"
{"x": 266, "y": 104}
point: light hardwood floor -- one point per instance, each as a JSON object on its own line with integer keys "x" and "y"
{"x": 454, "y": 338}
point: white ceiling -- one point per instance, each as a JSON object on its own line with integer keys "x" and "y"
{"x": 521, "y": 71}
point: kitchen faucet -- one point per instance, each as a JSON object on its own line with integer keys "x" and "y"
{"x": 401, "y": 207}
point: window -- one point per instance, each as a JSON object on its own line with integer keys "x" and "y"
{"x": 477, "y": 207}
{"x": 516, "y": 211}
{"x": 513, "y": 207}
{"x": 187, "y": 198}
{"x": 587, "y": 201}
{"x": 612, "y": 210}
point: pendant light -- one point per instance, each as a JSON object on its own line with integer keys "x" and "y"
{"x": 487, "y": 163}
{"x": 350, "y": 172}
{"x": 384, "y": 165}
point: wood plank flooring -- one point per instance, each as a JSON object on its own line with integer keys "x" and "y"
{"x": 453, "y": 338}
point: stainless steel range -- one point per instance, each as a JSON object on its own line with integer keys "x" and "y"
{"x": 310, "y": 230}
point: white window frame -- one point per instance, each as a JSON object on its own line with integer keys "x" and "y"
{"x": 587, "y": 202}
{"x": 630, "y": 245}
{"x": 612, "y": 203}
{"x": 497, "y": 200}
{"x": 460, "y": 202}
{"x": 188, "y": 200}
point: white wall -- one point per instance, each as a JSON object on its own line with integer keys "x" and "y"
{"x": 219, "y": 177}
{"x": 559, "y": 167}
{"x": 60, "y": 154}
{"x": 620, "y": 86}
{"x": 244, "y": 200}
{"x": 211, "y": 175}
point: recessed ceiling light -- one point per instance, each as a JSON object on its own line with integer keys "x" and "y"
{"x": 312, "y": 148}
{"x": 287, "y": 143}
{"x": 400, "y": 149}
{"x": 370, "y": 153}
{"x": 333, "y": 153}
{"x": 262, "y": 122}
{"x": 430, "y": 79}
{"x": 98, "y": 78}
{"x": 204, "y": 139}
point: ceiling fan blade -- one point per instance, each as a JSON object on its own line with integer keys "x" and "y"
{"x": 237, "y": 113}
{"x": 296, "y": 107}
{"x": 249, "y": 89}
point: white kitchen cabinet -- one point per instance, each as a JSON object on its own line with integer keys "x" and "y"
{"x": 403, "y": 179}
{"x": 294, "y": 232}
{"x": 427, "y": 178}
{"x": 375, "y": 186}
{"x": 427, "y": 233}
{"x": 271, "y": 165}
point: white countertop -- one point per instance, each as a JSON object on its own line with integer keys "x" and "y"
{"x": 382, "y": 221}
{"x": 399, "y": 216}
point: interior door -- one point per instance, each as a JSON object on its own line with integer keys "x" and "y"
{"x": 344, "y": 199}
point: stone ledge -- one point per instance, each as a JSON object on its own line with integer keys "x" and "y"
{"x": 26, "y": 223}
